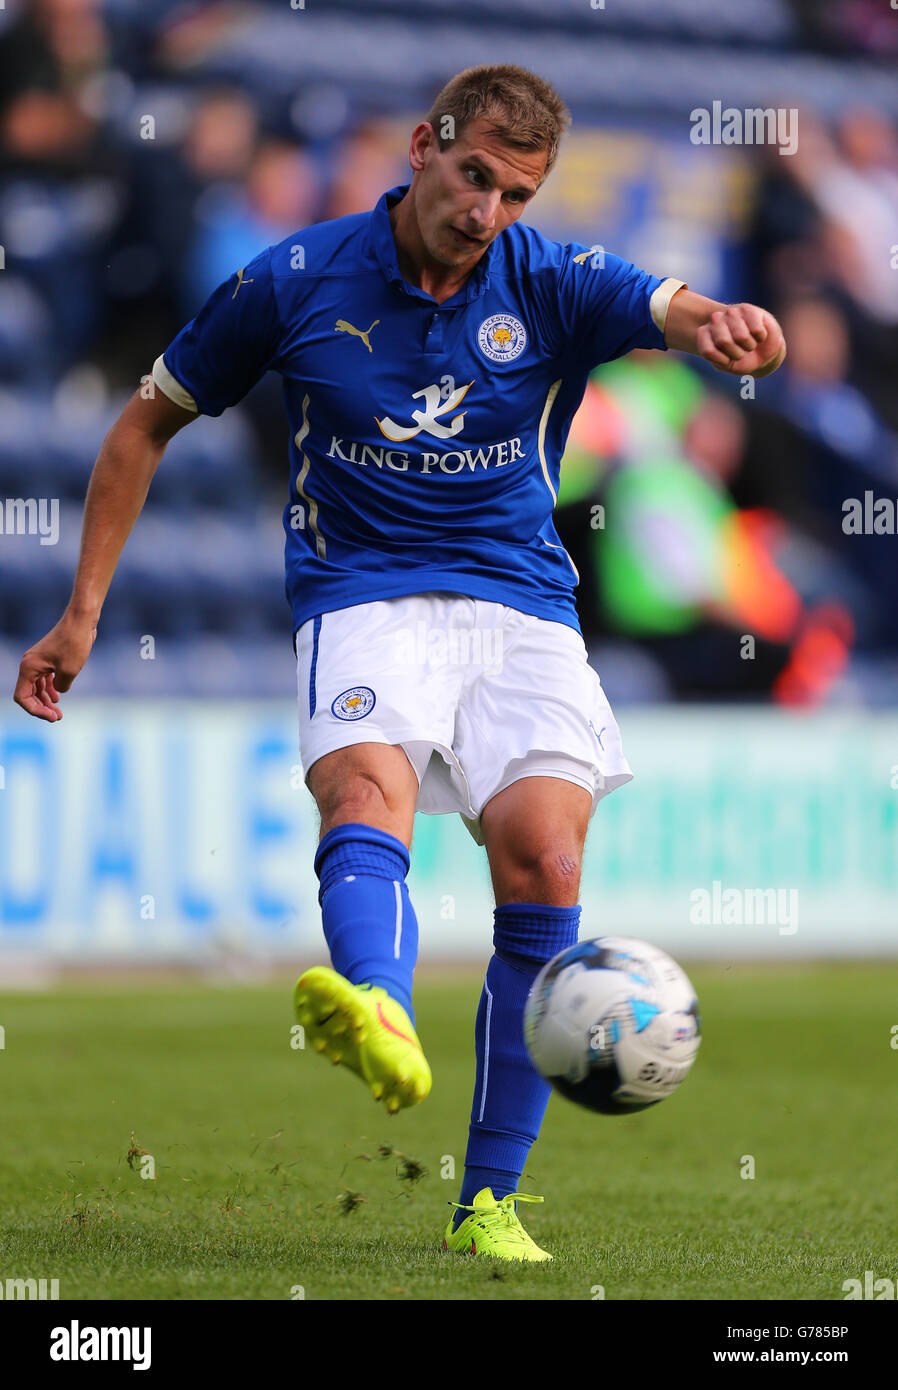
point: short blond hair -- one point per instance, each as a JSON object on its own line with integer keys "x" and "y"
{"x": 523, "y": 109}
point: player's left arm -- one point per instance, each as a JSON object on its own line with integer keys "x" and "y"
{"x": 742, "y": 339}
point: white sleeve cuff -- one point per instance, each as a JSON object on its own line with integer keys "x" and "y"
{"x": 660, "y": 301}
{"x": 171, "y": 387}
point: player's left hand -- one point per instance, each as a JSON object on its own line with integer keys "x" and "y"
{"x": 743, "y": 340}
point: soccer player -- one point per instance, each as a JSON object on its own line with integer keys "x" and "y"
{"x": 433, "y": 353}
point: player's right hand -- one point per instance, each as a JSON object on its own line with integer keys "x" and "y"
{"x": 48, "y": 668}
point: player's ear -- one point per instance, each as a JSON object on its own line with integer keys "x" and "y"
{"x": 423, "y": 140}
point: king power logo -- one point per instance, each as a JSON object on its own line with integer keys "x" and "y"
{"x": 427, "y": 420}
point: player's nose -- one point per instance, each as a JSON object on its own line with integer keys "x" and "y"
{"x": 482, "y": 214}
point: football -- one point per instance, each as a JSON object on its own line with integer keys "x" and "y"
{"x": 613, "y": 1023}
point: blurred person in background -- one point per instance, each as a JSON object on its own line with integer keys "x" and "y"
{"x": 858, "y": 195}
{"x": 675, "y": 564}
{"x": 826, "y": 224}
{"x": 821, "y": 442}
{"x": 364, "y": 164}
{"x": 60, "y": 198}
{"x": 209, "y": 164}
{"x": 818, "y": 396}
{"x": 248, "y": 190}
{"x": 858, "y": 190}
{"x": 48, "y": 56}
{"x": 279, "y": 192}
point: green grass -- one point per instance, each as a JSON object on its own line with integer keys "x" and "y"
{"x": 254, "y": 1143}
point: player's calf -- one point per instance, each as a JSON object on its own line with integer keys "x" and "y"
{"x": 359, "y": 1014}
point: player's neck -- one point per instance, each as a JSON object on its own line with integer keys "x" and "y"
{"x": 417, "y": 267}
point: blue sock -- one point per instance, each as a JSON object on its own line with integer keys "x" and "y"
{"x": 510, "y": 1096}
{"x": 369, "y": 922}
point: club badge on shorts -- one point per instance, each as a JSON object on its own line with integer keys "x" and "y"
{"x": 354, "y": 703}
{"x": 502, "y": 338}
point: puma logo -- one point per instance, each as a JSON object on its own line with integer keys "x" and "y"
{"x": 241, "y": 281}
{"x": 341, "y": 326}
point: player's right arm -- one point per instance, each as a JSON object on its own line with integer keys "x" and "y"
{"x": 118, "y": 488}
{"x": 211, "y": 365}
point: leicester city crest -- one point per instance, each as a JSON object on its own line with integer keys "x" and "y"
{"x": 502, "y": 338}
{"x": 354, "y": 703}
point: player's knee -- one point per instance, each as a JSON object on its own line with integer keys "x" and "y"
{"x": 358, "y": 798}
{"x": 352, "y": 794}
{"x": 542, "y": 873}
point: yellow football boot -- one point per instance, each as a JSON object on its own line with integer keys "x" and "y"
{"x": 493, "y": 1229}
{"x": 362, "y": 1027}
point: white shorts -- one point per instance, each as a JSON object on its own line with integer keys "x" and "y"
{"x": 478, "y": 695}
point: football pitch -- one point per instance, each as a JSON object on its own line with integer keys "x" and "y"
{"x": 272, "y": 1175}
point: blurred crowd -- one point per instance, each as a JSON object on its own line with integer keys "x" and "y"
{"x": 697, "y": 515}
{"x": 723, "y": 511}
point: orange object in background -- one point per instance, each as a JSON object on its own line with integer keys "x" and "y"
{"x": 819, "y": 657}
{"x": 761, "y": 596}
{"x": 756, "y": 591}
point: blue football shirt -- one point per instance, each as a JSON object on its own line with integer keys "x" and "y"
{"x": 426, "y": 439}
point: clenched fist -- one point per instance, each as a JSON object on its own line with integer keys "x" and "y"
{"x": 742, "y": 339}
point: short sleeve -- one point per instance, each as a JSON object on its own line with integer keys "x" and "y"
{"x": 231, "y": 343}
{"x": 605, "y": 306}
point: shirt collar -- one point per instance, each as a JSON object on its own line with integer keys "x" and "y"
{"x": 384, "y": 247}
